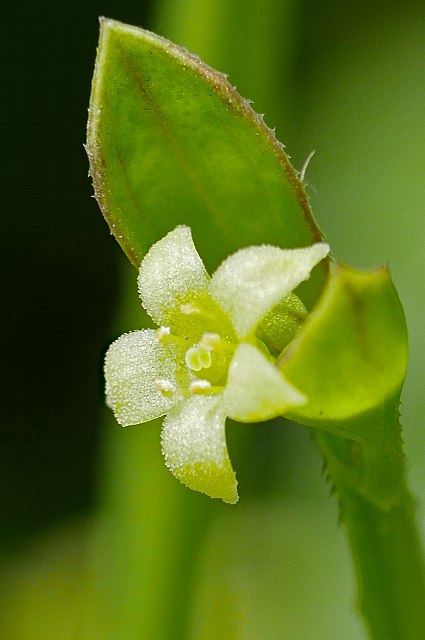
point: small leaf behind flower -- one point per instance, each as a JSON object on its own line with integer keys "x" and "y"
{"x": 170, "y": 141}
{"x": 350, "y": 357}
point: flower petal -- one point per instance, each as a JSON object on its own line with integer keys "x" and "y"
{"x": 251, "y": 281}
{"x": 256, "y": 390}
{"x": 137, "y": 367}
{"x": 171, "y": 273}
{"x": 194, "y": 447}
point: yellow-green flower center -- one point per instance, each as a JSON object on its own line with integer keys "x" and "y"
{"x": 204, "y": 343}
{"x": 209, "y": 361}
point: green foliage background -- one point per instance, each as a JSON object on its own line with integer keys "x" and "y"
{"x": 344, "y": 80}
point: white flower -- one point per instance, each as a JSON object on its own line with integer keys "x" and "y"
{"x": 205, "y": 362}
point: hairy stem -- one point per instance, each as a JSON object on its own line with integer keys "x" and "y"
{"x": 387, "y": 552}
{"x": 378, "y": 515}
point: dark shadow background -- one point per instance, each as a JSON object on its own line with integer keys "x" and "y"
{"x": 59, "y": 263}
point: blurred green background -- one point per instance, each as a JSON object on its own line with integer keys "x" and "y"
{"x": 97, "y": 539}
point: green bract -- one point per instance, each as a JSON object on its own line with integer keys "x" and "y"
{"x": 205, "y": 362}
{"x": 356, "y": 338}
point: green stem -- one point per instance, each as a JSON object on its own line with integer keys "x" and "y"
{"x": 378, "y": 513}
{"x": 390, "y": 568}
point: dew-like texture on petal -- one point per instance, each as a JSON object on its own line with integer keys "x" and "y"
{"x": 171, "y": 273}
{"x": 250, "y": 282}
{"x": 255, "y": 388}
{"x": 133, "y": 366}
{"x": 194, "y": 447}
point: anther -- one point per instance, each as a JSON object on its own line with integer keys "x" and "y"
{"x": 198, "y": 358}
{"x": 162, "y": 332}
{"x": 214, "y": 342}
{"x": 210, "y": 341}
{"x": 197, "y": 308}
{"x": 190, "y": 308}
{"x": 199, "y": 387}
{"x": 164, "y": 335}
{"x": 204, "y": 357}
{"x": 192, "y": 359}
{"x": 166, "y": 387}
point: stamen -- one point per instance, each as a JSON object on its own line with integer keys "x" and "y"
{"x": 214, "y": 342}
{"x": 198, "y": 358}
{"x": 204, "y": 387}
{"x": 197, "y": 308}
{"x": 210, "y": 341}
{"x": 166, "y": 387}
{"x": 204, "y": 357}
{"x": 192, "y": 359}
{"x": 164, "y": 335}
{"x": 162, "y": 332}
{"x": 200, "y": 387}
{"x": 190, "y": 308}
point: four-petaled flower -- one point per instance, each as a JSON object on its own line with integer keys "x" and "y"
{"x": 206, "y": 360}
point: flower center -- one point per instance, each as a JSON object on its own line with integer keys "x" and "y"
{"x": 209, "y": 361}
{"x": 204, "y": 337}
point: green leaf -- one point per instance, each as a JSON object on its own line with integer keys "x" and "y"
{"x": 170, "y": 141}
{"x": 351, "y": 354}
{"x": 349, "y": 359}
